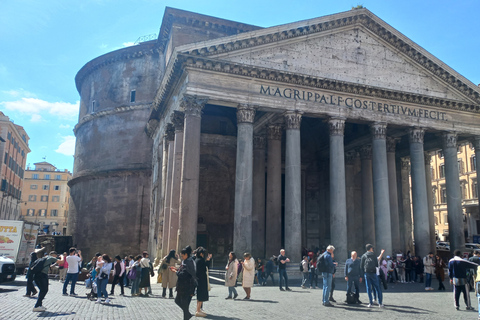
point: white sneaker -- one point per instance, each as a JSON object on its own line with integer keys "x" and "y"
{"x": 107, "y": 301}
{"x": 370, "y": 305}
{"x": 98, "y": 300}
{"x": 382, "y": 306}
{"x": 39, "y": 309}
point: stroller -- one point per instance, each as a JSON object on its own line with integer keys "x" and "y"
{"x": 91, "y": 283}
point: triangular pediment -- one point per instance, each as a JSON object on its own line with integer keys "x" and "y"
{"x": 351, "y": 47}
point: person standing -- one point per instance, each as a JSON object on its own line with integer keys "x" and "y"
{"x": 62, "y": 267}
{"x": 136, "y": 270}
{"x": 41, "y": 279}
{"x": 201, "y": 261}
{"x": 259, "y": 269}
{"x": 72, "y": 273}
{"x": 429, "y": 269}
{"x": 119, "y": 274}
{"x": 31, "y": 291}
{"x": 313, "y": 272}
{"x": 369, "y": 265}
{"x": 457, "y": 272}
{"x": 231, "y": 275}
{"x": 145, "y": 274}
{"x": 282, "y": 270}
{"x": 269, "y": 268}
{"x": 104, "y": 267}
{"x": 328, "y": 268}
{"x": 248, "y": 274}
{"x": 353, "y": 275}
{"x": 186, "y": 282}
{"x": 305, "y": 270}
{"x": 440, "y": 272}
{"x": 169, "y": 279}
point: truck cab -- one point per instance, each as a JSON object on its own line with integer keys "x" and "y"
{"x": 7, "y": 269}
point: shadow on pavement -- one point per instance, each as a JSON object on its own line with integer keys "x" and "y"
{"x": 54, "y": 314}
{"x": 255, "y": 300}
{"x": 401, "y": 309}
{"x": 220, "y": 317}
{"x": 7, "y": 290}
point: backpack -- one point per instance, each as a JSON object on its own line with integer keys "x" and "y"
{"x": 132, "y": 274}
{"x": 301, "y": 267}
{"x": 351, "y": 298}
{"x": 37, "y": 266}
{"x": 321, "y": 263}
{"x": 370, "y": 265}
{"x": 239, "y": 268}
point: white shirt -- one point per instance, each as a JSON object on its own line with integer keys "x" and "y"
{"x": 73, "y": 263}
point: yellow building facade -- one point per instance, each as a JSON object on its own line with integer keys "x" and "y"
{"x": 467, "y": 168}
{"x": 46, "y": 195}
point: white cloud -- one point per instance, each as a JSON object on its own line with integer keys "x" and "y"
{"x": 128, "y": 44}
{"x": 36, "y": 118}
{"x": 67, "y": 147}
{"x": 35, "y": 106}
{"x": 19, "y": 93}
{"x": 65, "y": 126}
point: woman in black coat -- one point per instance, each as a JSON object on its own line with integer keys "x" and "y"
{"x": 202, "y": 287}
{"x": 186, "y": 282}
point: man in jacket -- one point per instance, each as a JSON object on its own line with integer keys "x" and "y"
{"x": 369, "y": 265}
{"x": 41, "y": 279}
{"x": 457, "y": 272}
{"x": 282, "y": 270}
{"x": 429, "y": 269}
{"x": 353, "y": 275}
{"x": 327, "y": 275}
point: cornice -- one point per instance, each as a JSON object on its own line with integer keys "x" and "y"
{"x": 91, "y": 116}
{"x": 88, "y": 175}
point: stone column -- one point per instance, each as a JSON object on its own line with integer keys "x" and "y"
{"x": 242, "y": 230}
{"x": 169, "y": 137}
{"x": 273, "y": 229}
{"x": 406, "y": 219}
{"x": 431, "y": 214}
{"x": 393, "y": 193}
{"x": 338, "y": 202}
{"x": 381, "y": 196}
{"x": 187, "y": 231}
{"x": 258, "y": 199}
{"x": 476, "y": 145}
{"x": 178, "y": 119}
{"x": 421, "y": 220}
{"x": 161, "y": 201}
{"x": 454, "y": 196}
{"x": 367, "y": 195}
{"x": 293, "y": 187}
{"x": 350, "y": 196}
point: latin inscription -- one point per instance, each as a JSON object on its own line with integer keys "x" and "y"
{"x": 341, "y": 101}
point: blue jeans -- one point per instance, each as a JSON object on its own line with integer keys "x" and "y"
{"x": 259, "y": 277}
{"x": 354, "y": 282}
{"x": 372, "y": 283}
{"x": 70, "y": 277}
{"x": 313, "y": 277}
{"x": 327, "y": 286}
{"x": 305, "y": 278}
{"x": 135, "y": 284}
{"x": 428, "y": 280}
{"x": 102, "y": 288}
{"x": 282, "y": 273}
{"x": 232, "y": 292}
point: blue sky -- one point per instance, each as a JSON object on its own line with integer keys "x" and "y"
{"x": 45, "y": 43}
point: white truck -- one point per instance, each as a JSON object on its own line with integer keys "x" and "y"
{"x": 17, "y": 241}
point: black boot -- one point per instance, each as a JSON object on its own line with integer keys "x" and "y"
{"x": 164, "y": 294}
{"x": 171, "y": 293}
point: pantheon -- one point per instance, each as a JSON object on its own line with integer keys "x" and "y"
{"x": 238, "y": 137}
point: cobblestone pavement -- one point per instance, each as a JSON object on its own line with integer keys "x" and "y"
{"x": 401, "y": 301}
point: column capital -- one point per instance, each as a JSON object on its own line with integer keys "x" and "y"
{"x": 259, "y": 142}
{"x": 293, "y": 119}
{"x": 245, "y": 113}
{"x": 350, "y": 157}
{"x": 449, "y": 140}
{"x": 193, "y": 105}
{"x": 392, "y": 143}
{"x": 428, "y": 158}
{"x": 274, "y": 132}
{"x": 405, "y": 163}
{"x": 378, "y": 130}
{"x": 415, "y": 135}
{"x": 178, "y": 120}
{"x": 365, "y": 152}
{"x": 169, "y": 132}
{"x": 336, "y": 126}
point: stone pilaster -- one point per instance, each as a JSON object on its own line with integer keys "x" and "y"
{"x": 293, "y": 195}
{"x": 242, "y": 230}
{"x": 169, "y": 141}
{"x": 406, "y": 223}
{"x": 419, "y": 193}
{"x": 352, "y": 229}
{"x": 367, "y": 194}
{"x": 454, "y": 197}
{"x": 476, "y": 145}
{"x": 258, "y": 198}
{"x": 431, "y": 213}
{"x": 381, "y": 197}
{"x": 393, "y": 193}
{"x": 187, "y": 231}
{"x": 273, "y": 229}
{"x": 338, "y": 201}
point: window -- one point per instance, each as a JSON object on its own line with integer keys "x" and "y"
{"x": 58, "y": 177}
{"x": 432, "y": 173}
{"x": 35, "y": 176}
{"x": 42, "y": 212}
{"x": 6, "y": 158}
{"x": 445, "y": 219}
{"x": 443, "y": 195}
{"x": 440, "y": 154}
{"x": 436, "y": 221}
{"x": 32, "y": 197}
{"x": 463, "y": 189}
{"x": 474, "y": 189}
{"x": 441, "y": 171}
{"x": 44, "y": 198}
{"x": 46, "y": 177}
{"x": 132, "y": 95}
{"x": 54, "y": 212}
{"x": 45, "y": 187}
{"x": 33, "y": 186}
{"x": 93, "y": 107}
{"x": 55, "y": 198}
{"x": 30, "y": 212}
{"x": 56, "y": 188}
{"x": 434, "y": 196}
{"x": 460, "y": 167}
{"x": 473, "y": 163}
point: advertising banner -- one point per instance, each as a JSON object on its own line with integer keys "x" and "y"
{"x": 27, "y": 245}
{"x": 10, "y": 237}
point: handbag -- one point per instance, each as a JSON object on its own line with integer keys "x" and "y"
{"x": 208, "y": 282}
{"x": 159, "y": 278}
